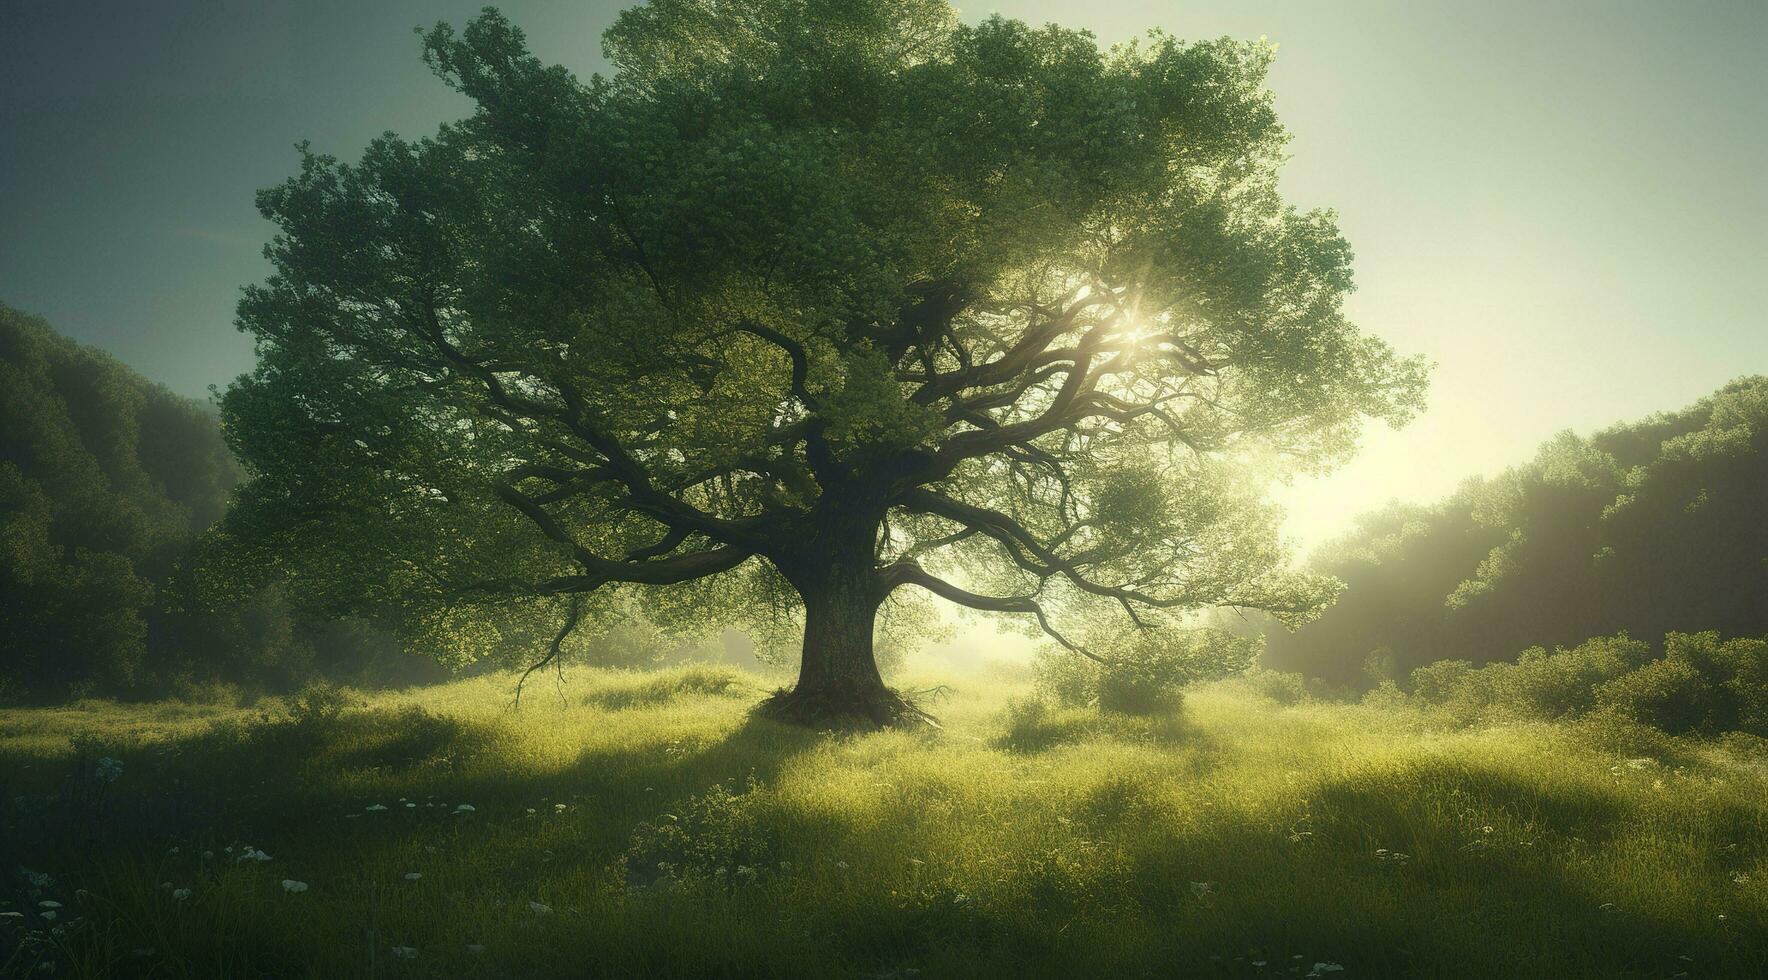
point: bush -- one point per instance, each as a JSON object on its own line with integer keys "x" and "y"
{"x": 1067, "y": 679}
{"x": 719, "y": 835}
{"x": 1148, "y": 675}
{"x": 1276, "y": 685}
{"x": 1146, "y": 671}
{"x": 1699, "y": 684}
{"x": 320, "y": 704}
{"x": 1669, "y": 694}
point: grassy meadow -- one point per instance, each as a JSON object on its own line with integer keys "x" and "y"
{"x": 643, "y": 825}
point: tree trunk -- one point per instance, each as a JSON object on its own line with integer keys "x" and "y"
{"x": 838, "y": 681}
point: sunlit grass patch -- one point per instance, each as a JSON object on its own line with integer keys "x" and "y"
{"x": 644, "y": 824}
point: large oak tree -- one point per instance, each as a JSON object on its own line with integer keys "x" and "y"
{"x": 841, "y": 295}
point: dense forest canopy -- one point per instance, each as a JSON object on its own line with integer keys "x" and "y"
{"x": 105, "y": 480}
{"x": 811, "y": 301}
{"x": 1652, "y": 527}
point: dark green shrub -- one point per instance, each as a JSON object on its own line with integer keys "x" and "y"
{"x": 1670, "y": 694}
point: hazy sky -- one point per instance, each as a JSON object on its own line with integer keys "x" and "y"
{"x": 1561, "y": 204}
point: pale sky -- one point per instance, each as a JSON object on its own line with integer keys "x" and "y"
{"x": 1562, "y": 204}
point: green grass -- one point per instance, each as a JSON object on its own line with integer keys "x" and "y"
{"x": 667, "y": 834}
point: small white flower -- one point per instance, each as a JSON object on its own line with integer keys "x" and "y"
{"x": 180, "y": 893}
{"x": 539, "y": 908}
{"x": 292, "y": 886}
{"x": 411, "y": 806}
{"x": 405, "y": 952}
{"x": 841, "y": 864}
{"x": 375, "y": 807}
{"x": 49, "y": 904}
{"x": 12, "y": 915}
{"x": 413, "y": 875}
{"x": 252, "y": 854}
{"x": 109, "y": 769}
{"x": 464, "y": 808}
{"x": 531, "y": 811}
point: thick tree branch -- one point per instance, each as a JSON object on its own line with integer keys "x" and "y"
{"x": 910, "y": 573}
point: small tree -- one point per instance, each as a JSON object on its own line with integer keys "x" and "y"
{"x": 808, "y": 302}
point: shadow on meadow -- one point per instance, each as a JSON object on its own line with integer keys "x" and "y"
{"x": 630, "y": 830}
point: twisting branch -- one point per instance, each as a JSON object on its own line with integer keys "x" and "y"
{"x": 795, "y": 351}
{"x": 911, "y": 573}
{"x": 573, "y": 612}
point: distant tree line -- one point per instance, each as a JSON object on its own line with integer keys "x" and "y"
{"x": 1651, "y": 528}
{"x": 107, "y": 482}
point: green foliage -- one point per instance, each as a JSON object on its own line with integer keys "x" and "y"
{"x": 791, "y": 293}
{"x": 718, "y": 835}
{"x": 661, "y": 688}
{"x": 1700, "y": 684}
{"x": 1651, "y": 528}
{"x": 320, "y": 704}
{"x": 105, "y": 480}
{"x": 1145, "y": 672}
{"x": 1079, "y": 845}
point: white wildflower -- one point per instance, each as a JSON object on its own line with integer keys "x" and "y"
{"x": 109, "y": 769}
{"x": 375, "y": 807}
{"x": 464, "y": 808}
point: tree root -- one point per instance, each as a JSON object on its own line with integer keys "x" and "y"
{"x": 845, "y": 709}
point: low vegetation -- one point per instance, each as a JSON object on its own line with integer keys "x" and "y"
{"x": 1651, "y": 526}
{"x": 643, "y": 824}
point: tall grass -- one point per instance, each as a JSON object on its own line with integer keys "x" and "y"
{"x": 643, "y": 825}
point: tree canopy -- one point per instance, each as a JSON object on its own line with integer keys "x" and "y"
{"x": 809, "y": 300}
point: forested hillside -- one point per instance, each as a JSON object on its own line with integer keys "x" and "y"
{"x": 107, "y": 483}
{"x": 1651, "y": 527}
{"x": 105, "y": 479}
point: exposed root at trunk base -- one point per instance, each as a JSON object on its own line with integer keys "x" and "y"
{"x": 844, "y": 710}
